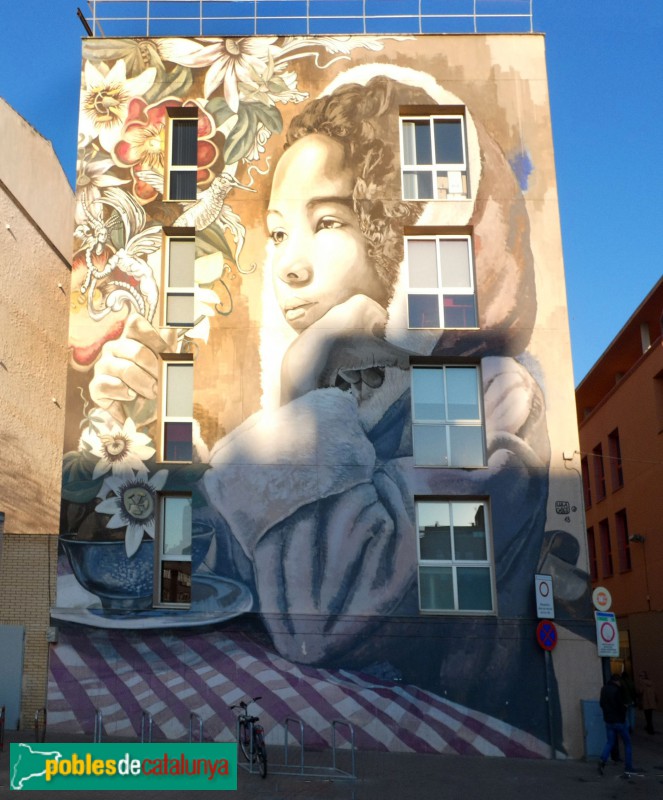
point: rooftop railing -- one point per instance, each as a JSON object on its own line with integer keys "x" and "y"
{"x": 113, "y": 18}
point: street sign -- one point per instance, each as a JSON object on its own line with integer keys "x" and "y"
{"x": 543, "y": 589}
{"x": 546, "y": 634}
{"x": 607, "y": 634}
{"x": 601, "y": 598}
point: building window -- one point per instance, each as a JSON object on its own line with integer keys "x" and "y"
{"x": 178, "y": 279}
{"x": 593, "y": 562}
{"x": 182, "y": 153}
{"x": 623, "y": 544}
{"x": 434, "y": 152}
{"x": 177, "y": 408}
{"x": 606, "y": 549}
{"x": 615, "y": 454}
{"x": 447, "y": 424}
{"x": 599, "y": 472}
{"x": 455, "y": 564}
{"x": 173, "y": 540}
{"x": 440, "y": 282}
{"x": 586, "y": 488}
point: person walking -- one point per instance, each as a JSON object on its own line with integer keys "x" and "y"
{"x": 614, "y": 706}
{"x": 647, "y": 695}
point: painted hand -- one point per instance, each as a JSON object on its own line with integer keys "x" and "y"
{"x": 126, "y": 375}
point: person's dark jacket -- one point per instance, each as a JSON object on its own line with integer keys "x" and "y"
{"x": 612, "y": 703}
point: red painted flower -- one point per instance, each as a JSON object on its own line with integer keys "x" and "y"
{"x": 141, "y": 145}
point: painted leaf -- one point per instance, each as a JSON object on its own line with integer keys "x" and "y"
{"x": 240, "y": 139}
{"x": 176, "y": 83}
{"x": 219, "y": 110}
{"x": 270, "y": 117}
{"x": 213, "y": 240}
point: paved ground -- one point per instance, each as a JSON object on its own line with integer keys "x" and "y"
{"x": 385, "y": 776}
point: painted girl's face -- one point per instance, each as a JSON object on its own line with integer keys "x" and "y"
{"x": 319, "y": 252}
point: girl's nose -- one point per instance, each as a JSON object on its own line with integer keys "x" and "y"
{"x": 293, "y": 265}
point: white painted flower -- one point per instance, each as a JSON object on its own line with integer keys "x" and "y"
{"x": 261, "y": 138}
{"x": 91, "y": 178}
{"x": 105, "y": 100}
{"x": 119, "y": 449}
{"x": 133, "y": 505}
{"x": 230, "y": 61}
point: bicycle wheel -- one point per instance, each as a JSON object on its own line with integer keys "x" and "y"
{"x": 244, "y": 740}
{"x": 261, "y": 754}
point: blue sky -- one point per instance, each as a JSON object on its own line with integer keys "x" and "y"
{"x": 605, "y": 67}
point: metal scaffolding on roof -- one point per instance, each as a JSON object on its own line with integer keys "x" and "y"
{"x": 114, "y": 18}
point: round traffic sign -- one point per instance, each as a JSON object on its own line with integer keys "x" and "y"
{"x": 608, "y": 632}
{"x": 601, "y": 598}
{"x": 546, "y": 634}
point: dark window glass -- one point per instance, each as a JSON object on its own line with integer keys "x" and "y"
{"x": 448, "y": 141}
{"x": 606, "y": 548}
{"x": 593, "y": 563}
{"x": 599, "y": 472}
{"x": 615, "y": 453}
{"x": 459, "y": 311}
{"x": 623, "y": 544}
{"x": 423, "y": 311}
{"x": 424, "y": 154}
{"x": 184, "y": 151}
{"x": 178, "y": 444}
{"x": 183, "y": 185}
{"x": 586, "y": 489}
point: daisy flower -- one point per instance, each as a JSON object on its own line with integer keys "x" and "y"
{"x": 132, "y": 505}
{"x": 119, "y": 449}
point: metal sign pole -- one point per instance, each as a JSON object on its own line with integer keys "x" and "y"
{"x": 549, "y": 695}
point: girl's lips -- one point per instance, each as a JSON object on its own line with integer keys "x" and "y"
{"x": 293, "y": 311}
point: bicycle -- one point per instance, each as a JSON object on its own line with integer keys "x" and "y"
{"x": 251, "y": 736}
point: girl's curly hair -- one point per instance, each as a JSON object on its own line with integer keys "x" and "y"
{"x": 364, "y": 120}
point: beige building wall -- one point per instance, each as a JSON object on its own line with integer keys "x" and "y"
{"x": 36, "y": 219}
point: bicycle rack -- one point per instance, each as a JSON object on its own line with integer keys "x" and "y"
{"x": 40, "y": 730}
{"x": 98, "y": 726}
{"x": 286, "y": 737}
{"x": 333, "y": 772}
{"x": 193, "y": 716}
{"x": 146, "y": 726}
{"x": 2, "y": 728}
{"x": 345, "y": 723}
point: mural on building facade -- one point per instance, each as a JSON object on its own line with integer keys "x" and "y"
{"x": 304, "y": 485}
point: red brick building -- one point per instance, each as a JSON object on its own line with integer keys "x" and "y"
{"x": 620, "y": 416}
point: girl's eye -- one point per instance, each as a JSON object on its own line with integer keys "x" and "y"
{"x": 328, "y": 224}
{"x": 278, "y": 236}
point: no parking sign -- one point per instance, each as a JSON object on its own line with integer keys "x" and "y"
{"x": 607, "y": 634}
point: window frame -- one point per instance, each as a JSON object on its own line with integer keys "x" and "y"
{"x": 615, "y": 456}
{"x": 458, "y": 563}
{"x": 162, "y": 559}
{"x": 176, "y": 115}
{"x": 171, "y": 235}
{"x": 607, "y": 565}
{"x": 599, "y": 473}
{"x": 418, "y": 114}
{"x": 624, "y": 561}
{"x": 448, "y": 424}
{"x": 167, "y": 360}
{"x": 591, "y": 552}
{"x": 441, "y": 291}
{"x": 586, "y": 485}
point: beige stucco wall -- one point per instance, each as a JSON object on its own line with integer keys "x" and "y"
{"x": 36, "y": 220}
